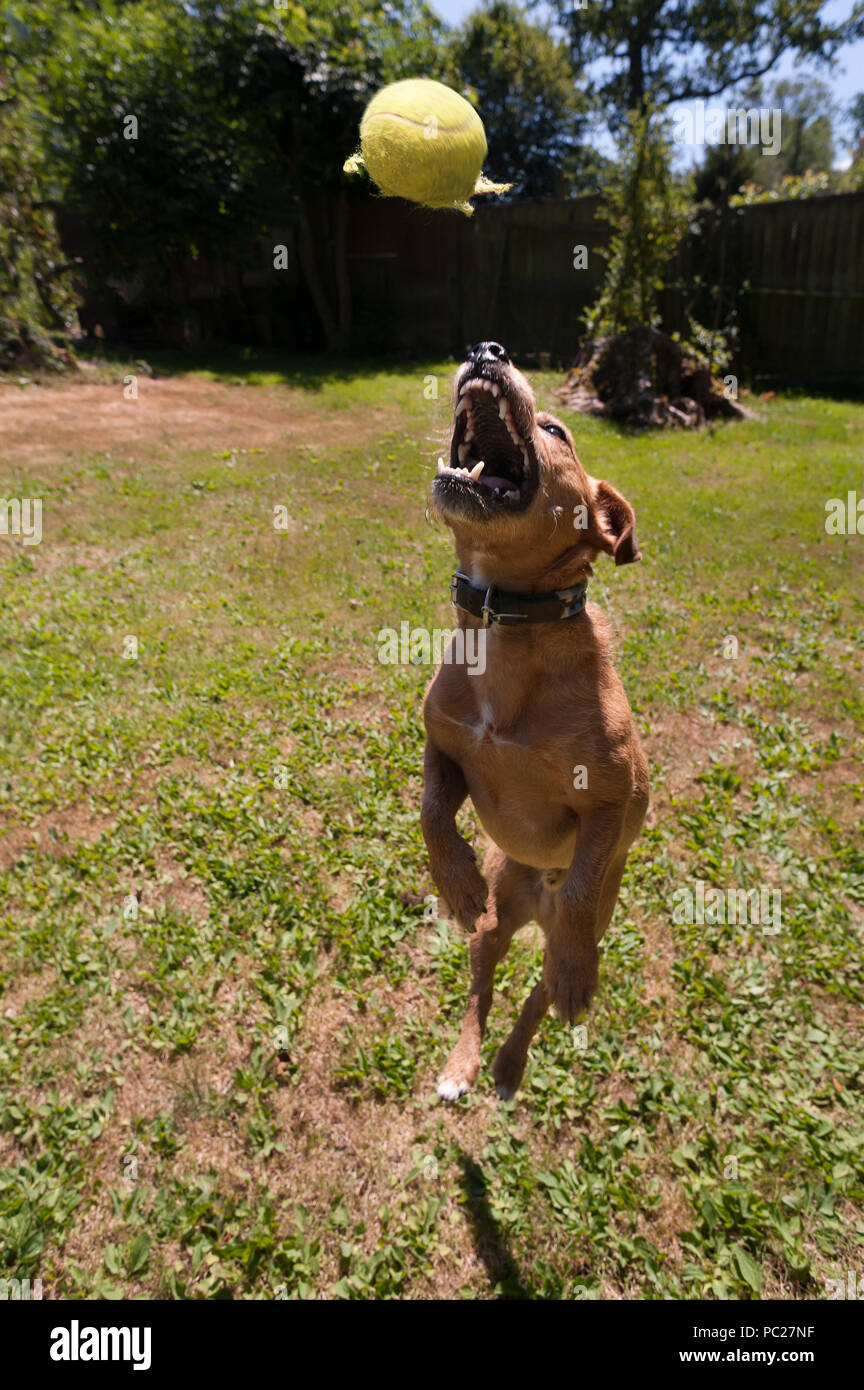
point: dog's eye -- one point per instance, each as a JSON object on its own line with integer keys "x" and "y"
{"x": 554, "y": 429}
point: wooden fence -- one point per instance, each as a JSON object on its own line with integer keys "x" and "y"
{"x": 427, "y": 283}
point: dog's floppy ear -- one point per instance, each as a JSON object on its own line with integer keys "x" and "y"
{"x": 616, "y": 524}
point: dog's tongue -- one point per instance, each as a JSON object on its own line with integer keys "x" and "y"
{"x": 494, "y": 482}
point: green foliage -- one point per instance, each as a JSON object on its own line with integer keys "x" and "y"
{"x": 807, "y": 185}
{"x": 176, "y": 132}
{"x": 709, "y": 346}
{"x": 724, "y": 171}
{"x": 664, "y": 51}
{"x": 802, "y": 165}
{"x": 648, "y": 208}
{"x": 807, "y": 111}
{"x": 528, "y": 96}
{"x": 853, "y": 178}
{"x": 153, "y": 144}
{"x": 37, "y": 304}
{"x": 855, "y": 116}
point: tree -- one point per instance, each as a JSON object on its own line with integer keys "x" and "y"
{"x": 853, "y": 178}
{"x": 304, "y": 102}
{"x": 627, "y": 368}
{"x": 807, "y": 139}
{"x": 526, "y": 90}
{"x": 648, "y": 208}
{"x": 724, "y": 169}
{"x": 855, "y": 117}
{"x": 679, "y": 50}
{"x": 806, "y": 146}
{"x": 37, "y": 304}
{"x": 179, "y": 130}
{"x": 148, "y": 130}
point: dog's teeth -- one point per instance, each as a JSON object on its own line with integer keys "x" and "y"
{"x": 496, "y": 390}
{"x": 468, "y": 435}
{"x": 476, "y": 471}
{"x": 463, "y": 405}
{"x": 511, "y": 493}
{"x": 463, "y": 452}
{"x": 503, "y": 408}
{"x": 442, "y": 467}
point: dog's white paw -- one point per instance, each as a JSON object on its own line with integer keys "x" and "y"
{"x": 452, "y": 1090}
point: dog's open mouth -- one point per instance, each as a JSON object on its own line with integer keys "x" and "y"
{"x": 490, "y": 461}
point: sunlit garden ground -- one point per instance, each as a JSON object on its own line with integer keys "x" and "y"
{"x": 223, "y": 1005}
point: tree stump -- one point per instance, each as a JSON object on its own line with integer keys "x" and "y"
{"x": 645, "y": 379}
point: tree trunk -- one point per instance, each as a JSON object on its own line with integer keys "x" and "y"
{"x": 335, "y": 322}
{"x": 636, "y": 72}
{"x": 335, "y": 319}
{"x": 343, "y": 284}
{"x": 309, "y": 266}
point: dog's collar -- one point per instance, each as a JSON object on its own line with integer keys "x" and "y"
{"x": 493, "y": 605}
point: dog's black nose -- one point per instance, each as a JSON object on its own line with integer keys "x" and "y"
{"x": 488, "y": 352}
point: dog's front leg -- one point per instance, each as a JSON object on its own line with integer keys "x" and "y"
{"x": 574, "y": 924}
{"x": 451, "y": 858}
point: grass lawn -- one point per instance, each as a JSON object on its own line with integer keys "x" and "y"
{"x": 224, "y": 999}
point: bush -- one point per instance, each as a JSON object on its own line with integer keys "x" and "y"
{"x": 37, "y": 307}
{"x": 649, "y": 209}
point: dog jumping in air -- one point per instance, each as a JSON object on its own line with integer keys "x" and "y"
{"x": 540, "y": 735}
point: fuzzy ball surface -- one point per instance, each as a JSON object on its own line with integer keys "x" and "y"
{"x": 422, "y": 141}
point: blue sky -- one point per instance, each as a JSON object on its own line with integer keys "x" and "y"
{"x": 846, "y": 78}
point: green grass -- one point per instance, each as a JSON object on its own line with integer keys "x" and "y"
{"x": 223, "y": 1005}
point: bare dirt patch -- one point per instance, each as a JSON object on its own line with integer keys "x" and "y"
{"x": 55, "y": 833}
{"x": 679, "y": 746}
{"x": 183, "y": 412}
{"x": 176, "y": 889}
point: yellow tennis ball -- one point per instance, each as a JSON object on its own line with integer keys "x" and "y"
{"x": 420, "y": 140}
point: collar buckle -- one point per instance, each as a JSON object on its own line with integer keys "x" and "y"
{"x": 487, "y": 613}
{"x": 571, "y": 600}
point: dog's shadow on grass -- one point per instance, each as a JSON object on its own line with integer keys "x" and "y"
{"x": 490, "y": 1244}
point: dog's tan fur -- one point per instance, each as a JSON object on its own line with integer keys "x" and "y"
{"x": 548, "y": 702}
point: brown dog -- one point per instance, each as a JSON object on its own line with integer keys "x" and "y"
{"x": 542, "y": 739}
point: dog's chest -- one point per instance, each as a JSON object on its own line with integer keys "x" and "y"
{"x": 487, "y": 725}
{"x": 484, "y": 731}
{"x": 503, "y": 729}
{"x": 518, "y": 782}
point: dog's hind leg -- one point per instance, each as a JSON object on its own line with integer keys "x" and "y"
{"x": 513, "y": 895}
{"x": 509, "y": 1065}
